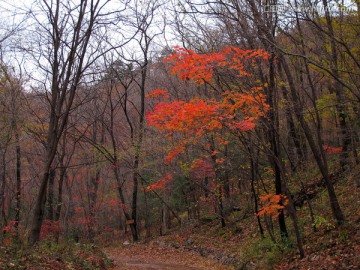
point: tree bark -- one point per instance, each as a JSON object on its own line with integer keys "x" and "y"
{"x": 317, "y": 150}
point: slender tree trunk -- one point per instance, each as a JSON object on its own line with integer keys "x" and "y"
{"x": 18, "y": 180}
{"x": 219, "y": 190}
{"x": 147, "y": 216}
{"x": 317, "y": 150}
{"x": 291, "y": 209}
{"x": 253, "y": 176}
{"x": 138, "y": 144}
{"x": 134, "y": 198}
{"x": 226, "y": 176}
{"x": 50, "y": 201}
{"x": 339, "y": 91}
{"x": 292, "y": 212}
{"x": 165, "y": 218}
{"x": 274, "y": 143}
{"x": 293, "y": 136}
{"x": 93, "y": 194}
{"x": 221, "y": 208}
{"x": 2, "y": 188}
{"x": 39, "y": 207}
{"x": 94, "y": 181}
{"x": 270, "y": 227}
{"x": 62, "y": 179}
{"x": 206, "y": 189}
{"x": 128, "y": 216}
{"x": 59, "y": 204}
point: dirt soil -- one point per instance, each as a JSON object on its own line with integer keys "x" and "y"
{"x": 148, "y": 256}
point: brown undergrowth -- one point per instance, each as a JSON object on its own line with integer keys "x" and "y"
{"x": 239, "y": 245}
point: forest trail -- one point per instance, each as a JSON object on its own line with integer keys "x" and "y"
{"x": 149, "y": 257}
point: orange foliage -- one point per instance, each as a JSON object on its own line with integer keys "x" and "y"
{"x": 272, "y": 204}
{"x": 220, "y": 160}
{"x": 200, "y": 68}
{"x": 160, "y": 184}
{"x": 250, "y": 104}
{"x": 177, "y": 150}
{"x": 196, "y": 116}
{"x": 231, "y": 111}
{"x": 158, "y": 93}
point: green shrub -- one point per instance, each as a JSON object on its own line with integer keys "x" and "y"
{"x": 321, "y": 223}
{"x": 266, "y": 253}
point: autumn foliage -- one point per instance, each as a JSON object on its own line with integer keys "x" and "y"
{"x": 157, "y": 93}
{"x": 201, "y": 168}
{"x": 200, "y": 68}
{"x": 272, "y": 205}
{"x": 159, "y": 184}
{"x": 332, "y": 150}
{"x": 232, "y": 110}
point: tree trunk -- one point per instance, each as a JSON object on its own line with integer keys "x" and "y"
{"x": 134, "y": 202}
{"x": 274, "y": 142}
{"x": 18, "y": 180}
{"x": 147, "y": 216}
{"x": 2, "y": 187}
{"x": 253, "y": 176}
{"x": 39, "y": 208}
{"x": 226, "y": 177}
{"x": 317, "y": 151}
{"x": 339, "y": 91}
{"x": 221, "y": 208}
{"x": 50, "y": 201}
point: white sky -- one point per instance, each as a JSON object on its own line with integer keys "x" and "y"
{"x": 15, "y": 13}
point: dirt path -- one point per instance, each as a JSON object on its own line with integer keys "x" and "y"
{"x": 127, "y": 263}
{"x": 148, "y": 257}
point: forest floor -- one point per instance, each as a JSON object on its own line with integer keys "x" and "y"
{"x": 203, "y": 244}
{"x": 149, "y": 256}
{"x": 338, "y": 248}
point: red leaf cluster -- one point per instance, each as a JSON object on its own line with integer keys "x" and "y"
{"x": 160, "y": 184}
{"x": 49, "y": 228}
{"x": 201, "y": 168}
{"x": 332, "y": 150}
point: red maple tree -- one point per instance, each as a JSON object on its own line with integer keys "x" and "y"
{"x": 232, "y": 111}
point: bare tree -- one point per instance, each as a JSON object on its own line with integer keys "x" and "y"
{"x": 63, "y": 47}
